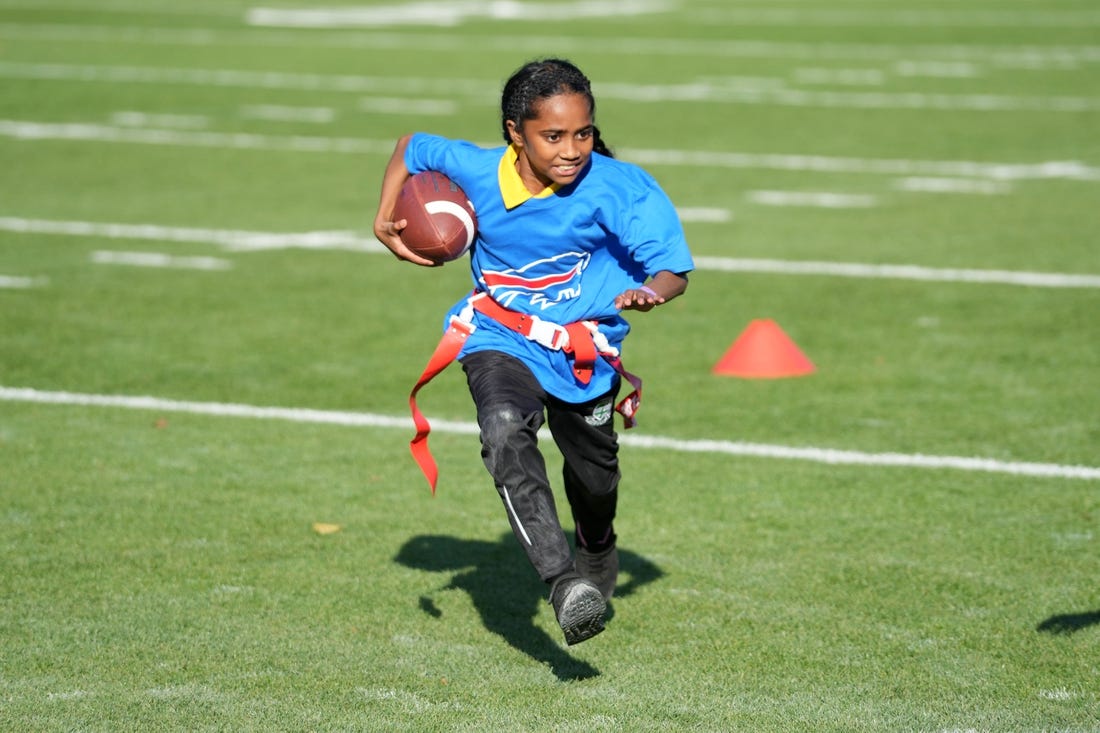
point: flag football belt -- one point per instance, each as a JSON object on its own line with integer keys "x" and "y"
{"x": 582, "y": 340}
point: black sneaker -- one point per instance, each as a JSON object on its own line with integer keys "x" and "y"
{"x": 579, "y": 607}
{"x": 602, "y": 568}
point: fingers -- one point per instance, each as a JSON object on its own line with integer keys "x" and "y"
{"x": 389, "y": 234}
{"x": 636, "y": 299}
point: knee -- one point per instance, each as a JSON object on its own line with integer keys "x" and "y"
{"x": 508, "y": 442}
{"x": 504, "y": 425}
{"x": 600, "y": 482}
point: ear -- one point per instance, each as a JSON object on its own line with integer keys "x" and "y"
{"x": 515, "y": 133}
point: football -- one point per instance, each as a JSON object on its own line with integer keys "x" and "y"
{"x": 441, "y": 220}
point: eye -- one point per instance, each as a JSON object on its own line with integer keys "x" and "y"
{"x": 553, "y": 137}
{"x": 584, "y": 134}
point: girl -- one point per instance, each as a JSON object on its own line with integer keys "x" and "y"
{"x": 568, "y": 238}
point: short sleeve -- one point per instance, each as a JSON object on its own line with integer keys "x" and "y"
{"x": 653, "y": 233}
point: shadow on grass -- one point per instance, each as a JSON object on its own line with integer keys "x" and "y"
{"x": 507, "y": 592}
{"x": 1067, "y": 623}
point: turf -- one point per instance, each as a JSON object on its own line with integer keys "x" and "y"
{"x": 170, "y": 570}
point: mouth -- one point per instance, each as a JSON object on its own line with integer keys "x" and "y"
{"x": 567, "y": 170}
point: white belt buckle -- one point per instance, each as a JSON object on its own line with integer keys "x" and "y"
{"x": 548, "y": 334}
{"x": 467, "y": 325}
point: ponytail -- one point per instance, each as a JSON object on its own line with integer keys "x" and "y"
{"x": 598, "y": 144}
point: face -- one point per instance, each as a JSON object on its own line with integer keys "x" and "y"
{"x": 555, "y": 146}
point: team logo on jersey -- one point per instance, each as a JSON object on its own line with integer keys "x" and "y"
{"x": 600, "y": 415}
{"x": 544, "y": 283}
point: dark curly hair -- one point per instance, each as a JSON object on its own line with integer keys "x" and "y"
{"x": 541, "y": 79}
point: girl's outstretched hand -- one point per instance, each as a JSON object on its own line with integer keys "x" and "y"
{"x": 638, "y": 299}
{"x": 661, "y": 288}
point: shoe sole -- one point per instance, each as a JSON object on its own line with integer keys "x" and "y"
{"x": 582, "y": 614}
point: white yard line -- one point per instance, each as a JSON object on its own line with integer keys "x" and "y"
{"x": 952, "y": 185}
{"x": 704, "y": 214}
{"x": 192, "y": 8}
{"x": 246, "y": 241}
{"x": 877, "y": 77}
{"x": 191, "y": 138}
{"x": 413, "y": 87}
{"x": 131, "y": 118}
{"x": 703, "y": 91}
{"x": 937, "y": 69}
{"x": 715, "y": 447}
{"x": 444, "y": 13}
{"x": 231, "y": 239}
{"x": 907, "y": 17}
{"x": 88, "y": 132}
{"x": 1036, "y": 57}
{"x": 899, "y": 272}
{"x": 159, "y": 259}
{"x": 17, "y": 282}
{"x": 906, "y": 100}
{"x": 287, "y": 113}
{"x": 803, "y": 13}
{"x": 409, "y": 106}
{"x": 815, "y": 199}
{"x": 1066, "y": 169}
{"x": 843, "y": 77}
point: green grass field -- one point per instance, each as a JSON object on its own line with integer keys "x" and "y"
{"x": 204, "y": 360}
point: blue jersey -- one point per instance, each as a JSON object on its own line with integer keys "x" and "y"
{"x": 563, "y": 255}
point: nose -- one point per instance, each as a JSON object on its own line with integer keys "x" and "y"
{"x": 569, "y": 150}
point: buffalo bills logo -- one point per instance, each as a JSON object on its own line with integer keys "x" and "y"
{"x": 543, "y": 282}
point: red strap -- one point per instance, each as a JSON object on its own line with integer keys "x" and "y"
{"x": 629, "y": 405}
{"x": 521, "y": 323}
{"x": 449, "y": 346}
{"x": 584, "y": 351}
{"x": 580, "y": 344}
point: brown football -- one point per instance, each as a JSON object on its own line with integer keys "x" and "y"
{"x": 441, "y": 220}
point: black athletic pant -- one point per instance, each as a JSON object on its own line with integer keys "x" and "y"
{"x": 511, "y": 407}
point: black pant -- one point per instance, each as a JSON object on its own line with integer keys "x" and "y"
{"x": 510, "y": 410}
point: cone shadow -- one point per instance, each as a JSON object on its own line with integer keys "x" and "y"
{"x": 1068, "y": 623}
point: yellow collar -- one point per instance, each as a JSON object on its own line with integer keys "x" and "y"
{"x": 512, "y": 189}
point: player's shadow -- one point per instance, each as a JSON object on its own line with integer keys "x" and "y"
{"x": 1067, "y": 623}
{"x": 506, "y": 591}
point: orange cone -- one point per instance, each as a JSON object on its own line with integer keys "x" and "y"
{"x": 763, "y": 351}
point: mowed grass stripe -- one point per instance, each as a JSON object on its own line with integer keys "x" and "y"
{"x": 716, "y": 447}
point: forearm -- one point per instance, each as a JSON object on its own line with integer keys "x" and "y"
{"x": 667, "y": 285}
{"x": 393, "y": 178}
{"x": 388, "y": 231}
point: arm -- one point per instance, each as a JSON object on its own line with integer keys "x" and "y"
{"x": 661, "y": 288}
{"x": 386, "y": 230}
